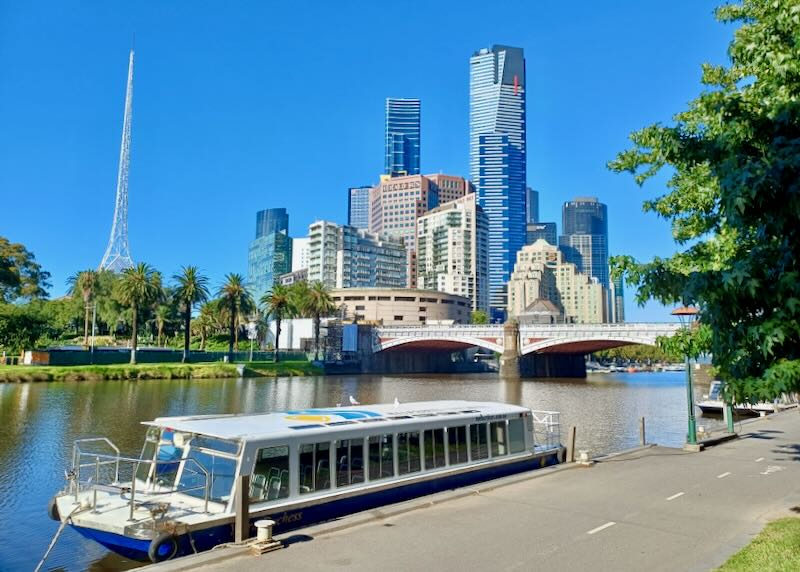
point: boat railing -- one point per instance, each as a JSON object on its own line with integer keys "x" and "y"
{"x": 96, "y": 471}
{"x": 546, "y": 430}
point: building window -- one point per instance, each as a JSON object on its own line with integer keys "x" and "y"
{"x": 423, "y": 309}
{"x": 398, "y": 318}
{"x": 405, "y": 299}
{"x": 422, "y": 319}
{"x": 359, "y": 307}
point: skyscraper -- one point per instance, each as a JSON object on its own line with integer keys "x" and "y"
{"x": 270, "y": 254}
{"x": 584, "y": 241}
{"x": 544, "y": 230}
{"x": 498, "y": 158}
{"x": 402, "y": 136}
{"x": 358, "y": 207}
{"x": 532, "y": 206}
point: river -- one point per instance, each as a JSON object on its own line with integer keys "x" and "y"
{"x": 39, "y": 421}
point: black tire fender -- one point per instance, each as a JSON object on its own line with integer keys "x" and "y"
{"x": 162, "y": 547}
{"x": 52, "y": 510}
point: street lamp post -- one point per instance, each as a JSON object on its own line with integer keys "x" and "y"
{"x": 687, "y": 317}
{"x": 94, "y": 321}
{"x": 252, "y": 333}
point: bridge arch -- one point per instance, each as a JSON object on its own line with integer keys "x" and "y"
{"x": 440, "y": 341}
{"x": 582, "y": 345}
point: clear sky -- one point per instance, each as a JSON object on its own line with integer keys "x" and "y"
{"x": 241, "y": 106}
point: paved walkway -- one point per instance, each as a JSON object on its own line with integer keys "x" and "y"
{"x": 656, "y": 509}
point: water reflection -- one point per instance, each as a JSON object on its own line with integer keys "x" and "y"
{"x": 38, "y": 423}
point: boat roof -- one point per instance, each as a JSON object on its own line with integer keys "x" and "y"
{"x": 256, "y": 426}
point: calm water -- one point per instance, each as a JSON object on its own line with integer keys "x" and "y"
{"x": 39, "y": 421}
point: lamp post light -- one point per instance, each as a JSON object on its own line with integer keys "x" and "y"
{"x": 687, "y": 317}
{"x": 252, "y": 333}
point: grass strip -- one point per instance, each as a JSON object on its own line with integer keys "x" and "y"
{"x": 775, "y": 549}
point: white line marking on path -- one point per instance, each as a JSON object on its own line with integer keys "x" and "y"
{"x": 603, "y": 527}
{"x": 676, "y": 495}
{"x": 723, "y": 475}
{"x": 772, "y": 469}
{"x": 759, "y": 459}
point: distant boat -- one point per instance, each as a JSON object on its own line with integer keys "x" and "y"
{"x": 594, "y": 367}
{"x": 713, "y": 403}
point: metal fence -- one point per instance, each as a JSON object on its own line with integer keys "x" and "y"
{"x": 546, "y": 430}
{"x": 108, "y": 356}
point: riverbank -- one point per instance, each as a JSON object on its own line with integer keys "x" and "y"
{"x": 24, "y": 373}
{"x": 653, "y": 509}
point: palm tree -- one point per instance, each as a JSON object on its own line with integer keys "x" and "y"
{"x": 137, "y": 288}
{"x": 237, "y": 298}
{"x": 192, "y": 289}
{"x": 85, "y": 284}
{"x": 278, "y": 304}
{"x": 318, "y": 303}
{"x": 204, "y": 323}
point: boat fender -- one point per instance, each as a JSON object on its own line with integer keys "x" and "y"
{"x": 162, "y": 547}
{"x": 52, "y": 510}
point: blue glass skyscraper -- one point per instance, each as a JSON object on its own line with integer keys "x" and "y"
{"x": 402, "y": 136}
{"x": 270, "y": 254}
{"x": 498, "y": 159}
{"x": 358, "y": 207}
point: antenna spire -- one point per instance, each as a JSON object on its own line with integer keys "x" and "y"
{"x": 118, "y": 256}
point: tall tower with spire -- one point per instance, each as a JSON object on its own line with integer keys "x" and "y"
{"x": 118, "y": 255}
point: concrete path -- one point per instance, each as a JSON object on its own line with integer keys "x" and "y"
{"x": 656, "y": 509}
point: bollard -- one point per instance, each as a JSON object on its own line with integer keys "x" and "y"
{"x": 571, "y": 444}
{"x": 264, "y": 530}
{"x": 642, "y": 439}
{"x": 242, "y": 507}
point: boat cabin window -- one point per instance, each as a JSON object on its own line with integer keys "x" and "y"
{"x": 408, "y": 453}
{"x": 315, "y": 467}
{"x": 516, "y": 435}
{"x": 381, "y": 457}
{"x": 434, "y": 449}
{"x": 477, "y": 441}
{"x": 497, "y": 432}
{"x": 457, "y": 444}
{"x": 349, "y": 462}
{"x": 270, "y": 479}
{"x": 218, "y": 457}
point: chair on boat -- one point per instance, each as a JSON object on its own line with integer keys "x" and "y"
{"x": 284, "y": 491}
{"x": 274, "y": 488}
{"x": 257, "y": 490}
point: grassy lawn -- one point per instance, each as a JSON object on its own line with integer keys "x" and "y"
{"x": 282, "y": 368}
{"x": 24, "y": 373}
{"x": 775, "y": 549}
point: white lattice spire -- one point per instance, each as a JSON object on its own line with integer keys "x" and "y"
{"x": 118, "y": 255}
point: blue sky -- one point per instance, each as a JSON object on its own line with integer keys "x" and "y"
{"x": 240, "y": 106}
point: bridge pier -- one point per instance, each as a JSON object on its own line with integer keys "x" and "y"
{"x": 509, "y": 359}
{"x": 552, "y": 365}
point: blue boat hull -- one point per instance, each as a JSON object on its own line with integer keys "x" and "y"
{"x": 286, "y": 521}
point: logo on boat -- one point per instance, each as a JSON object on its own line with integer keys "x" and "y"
{"x": 325, "y": 415}
{"x": 288, "y": 518}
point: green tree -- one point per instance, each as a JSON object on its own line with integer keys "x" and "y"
{"x": 317, "y": 303}
{"x": 239, "y": 303}
{"x": 20, "y": 274}
{"x": 20, "y": 327}
{"x": 733, "y": 201}
{"x": 84, "y": 284}
{"x": 192, "y": 289}
{"x": 479, "y": 317}
{"x": 277, "y": 304}
{"x": 137, "y": 288}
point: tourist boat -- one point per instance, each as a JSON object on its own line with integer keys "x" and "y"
{"x": 304, "y": 466}
{"x": 713, "y": 403}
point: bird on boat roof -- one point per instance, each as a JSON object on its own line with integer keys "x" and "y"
{"x": 353, "y": 401}
{"x": 396, "y": 402}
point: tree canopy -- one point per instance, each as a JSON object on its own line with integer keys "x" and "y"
{"x": 20, "y": 274}
{"x": 733, "y": 200}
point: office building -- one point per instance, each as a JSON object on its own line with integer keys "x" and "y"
{"x": 402, "y": 136}
{"x": 401, "y": 306}
{"x": 347, "y": 257}
{"x": 544, "y": 230}
{"x": 542, "y": 276}
{"x": 397, "y": 202}
{"x": 616, "y": 296}
{"x": 358, "y": 207}
{"x": 270, "y": 254}
{"x": 452, "y": 251}
{"x": 584, "y": 239}
{"x": 293, "y": 277}
{"x": 532, "y": 206}
{"x": 498, "y": 158}
{"x": 299, "y": 253}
